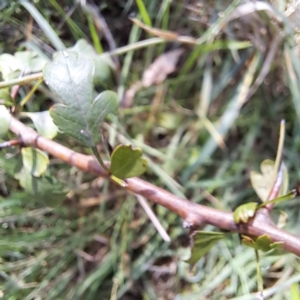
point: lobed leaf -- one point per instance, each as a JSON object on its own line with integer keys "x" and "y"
{"x": 203, "y": 241}
{"x": 45, "y": 189}
{"x": 81, "y": 113}
{"x": 5, "y": 97}
{"x": 43, "y": 123}
{"x": 244, "y": 212}
{"x": 263, "y": 243}
{"x": 261, "y": 182}
{"x": 35, "y": 161}
{"x": 104, "y": 65}
{"x": 127, "y": 162}
{"x": 23, "y": 61}
{"x": 10, "y": 165}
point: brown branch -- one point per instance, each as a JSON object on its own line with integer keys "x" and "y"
{"x": 193, "y": 214}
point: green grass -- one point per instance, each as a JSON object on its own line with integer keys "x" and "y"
{"x": 111, "y": 250}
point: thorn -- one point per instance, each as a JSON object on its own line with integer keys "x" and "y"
{"x": 10, "y": 143}
{"x": 187, "y": 224}
{"x": 193, "y": 221}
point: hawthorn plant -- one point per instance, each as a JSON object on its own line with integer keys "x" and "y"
{"x": 79, "y": 113}
{"x": 77, "y": 79}
{"x": 82, "y": 111}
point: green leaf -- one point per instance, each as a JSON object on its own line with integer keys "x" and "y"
{"x": 263, "y": 243}
{"x": 35, "y": 161}
{"x": 127, "y": 162}
{"x": 4, "y": 120}
{"x": 27, "y": 62}
{"x": 244, "y": 212}
{"x": 45, "y": 189}
{"x": 203, "y": 241}
{"x": 5, "y": 97}
{"x": 30, "y": 61}
{"x": 11, "y": 165}
{"x": 9, "y": 66}
{"x": 43, "y": 123}
{"x": 261, "y": 182}
{"x": 248, "y": 242}
{"x": 291, "y": 195}
{"x": 80, "y": 115}
{"x": 103, "y": 64}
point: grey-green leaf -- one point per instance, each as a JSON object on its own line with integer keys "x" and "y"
{"x": 104, "y": 65}
{"x": 24, "y": 61}
{"x": 43, "y": 123}
{"x": 80, "y": 114}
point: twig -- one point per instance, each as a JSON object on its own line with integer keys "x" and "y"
{"x": 21, "y": 81}
{"x": 193, "y": 214}
{"x": 10, "y": 143}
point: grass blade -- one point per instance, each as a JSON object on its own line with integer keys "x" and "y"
{"x": 228, "y": 118}
{"x": 45, "y": 26}
{"x": 144, "y": 13}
